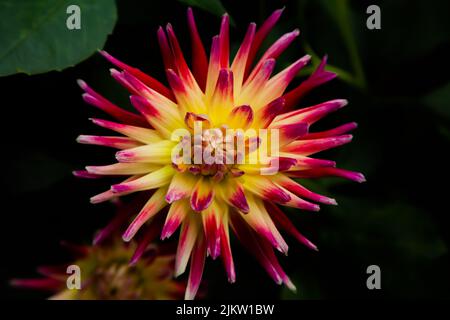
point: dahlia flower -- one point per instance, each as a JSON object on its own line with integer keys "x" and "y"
{"x": 105, "y": 274}
{"x": 205, "y": 199}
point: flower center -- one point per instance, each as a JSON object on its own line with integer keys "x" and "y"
{"x": 211, "y": 152}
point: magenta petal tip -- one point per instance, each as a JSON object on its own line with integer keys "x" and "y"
{"x": 82, "y": 84}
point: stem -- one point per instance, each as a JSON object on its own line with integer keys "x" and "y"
{"x": 344, "y": 24}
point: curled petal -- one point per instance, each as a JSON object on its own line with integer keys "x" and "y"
{"x": 275, "y": 50}
{"x": 196, "y": 271}
{"x": 109, "y": 195}
{"x": 264, "y": 188}
{"x": 166, "y": 52}
{"x": 291, "y": 132}
{"x": 301, "y": 191}
{"x": 222, "y": 99}
{"x": 177, "y": 212}
{"x": 191, "y": 118}
{"x": 156, "y": 179}
{"x": 150, "y": 235}
{"x": 240, "y": 117}
{"x": 165, "y": 118}
{"x": 240, "y": 60}
{"x": 85, "y": 175}
{"x": 260, "y": 221}
{"x": 145, "y": 78}
{"x": 261, "y": 249}
{"x": 199, "y": 59}
{"x": 225, "y": 247}
{"x": 122, "y": 169}
{"x": 283, "y": 222}
{"x": 143, "y": 135}
{"x": 213, "y": 67}
{"x": 311, "y": 114}
{"x": 156, "y": 153}
{"x": 190, "y": 230}
{"x": 180, "y": 187}
{"x": 328, "y": 172}
{"x": 180, "y": 63}
{"x": 317, "y": 78}
{"x": 304, "y": 163}
{"x": 262, "y": 33}
{"x": 211, "y": 217}
{"x": 299, "y": 203}
{"x": 224, "y": 41}
{"x": 152, "y": 207}
{"x": 331, "y": 133}
{"x": 233, "y": 193}
{"x": 112, "y": 142}
{"x": 95, "y": 99}
{"x": 275, "y": 87}
{"x": 265, "y": 115}
{"x": 253, "y": 87}
{"x": 308, "y": 147}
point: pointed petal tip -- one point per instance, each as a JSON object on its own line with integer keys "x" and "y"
{"x": 178, "y": 271}
{"x": 123, "y": 156}
{"x": 332, "y": 202}
{"x": 169, "y": 28}
{"x": 82, "y": 84}
{"x": 127, "y": 236}
{"x": 118, "y": 188}
{"x": 291, "y": 286}
{"x": 361, "y": 178}
{"x": 188, "y": 296}
{"x": 342, "y": 102}
{"x": 113, "y": 71}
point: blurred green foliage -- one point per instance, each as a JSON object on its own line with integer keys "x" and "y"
{"x": 212, "y": 6}
{"x": 439, "y": 100}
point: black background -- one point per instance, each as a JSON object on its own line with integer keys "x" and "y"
{"x": 398, "y": 219}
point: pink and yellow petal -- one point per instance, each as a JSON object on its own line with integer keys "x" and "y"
{"x": 202, "y": 194}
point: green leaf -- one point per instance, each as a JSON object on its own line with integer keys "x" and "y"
{"x": 36, "y": 39}
{"x": 213, "y": 6}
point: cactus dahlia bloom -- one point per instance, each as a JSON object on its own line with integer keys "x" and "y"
{"x": 105, "y": 274}
{"x": 205, "y": 199}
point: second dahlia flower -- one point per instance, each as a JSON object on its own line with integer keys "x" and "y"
{"x": 205, "y": 199}
{"x": 105, "y": 274}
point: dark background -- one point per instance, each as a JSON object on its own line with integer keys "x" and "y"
{"x": 398, "y": 219}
